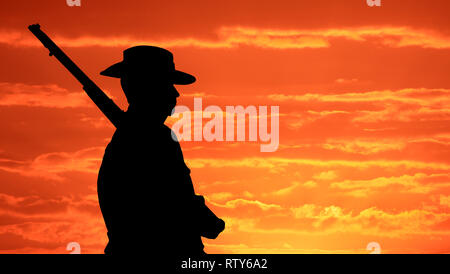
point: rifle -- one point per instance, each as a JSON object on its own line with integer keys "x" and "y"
{"x": 103, "y": 102}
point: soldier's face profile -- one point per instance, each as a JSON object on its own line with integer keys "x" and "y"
{"x": 151, "y": 91}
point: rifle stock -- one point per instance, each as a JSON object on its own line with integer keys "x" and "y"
{"x": 103, "y": 102}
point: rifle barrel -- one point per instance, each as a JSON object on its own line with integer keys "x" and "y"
{"x": 103, "y": 102}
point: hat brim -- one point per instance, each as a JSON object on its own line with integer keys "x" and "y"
{"x": 177, "y": 77}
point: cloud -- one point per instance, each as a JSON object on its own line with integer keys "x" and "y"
{"x": 33, "y": 223}
{"x": 220, "y": 196}
{"x": 19, "y": 94}
{"x": 52, "y": 165}
{"x": 240, "y": 202}
{"x": 410, "y": 184}
{"x": 315, "y": 220}
{"x": 228, "y": 39}
{"x": 278, "y": 163}
{"x": 364, "y": 147}
{"x": 285, "y": 248}
{"x": 11, "y": 241}
{"x": 222, "y": 184}
{"x": 12, "y": 219}
{"x": 46, "y": 208}
{"x": 297, "y": 120}
{"x": 444, "y": 200}
{"x": 346, "y": 81}
{"x": 32, "y": 204}
{"x": 326, "y": 175}
{"x": 310, "y": 211}
{"x": 235, "y": 36}
{"x": 388, "y": 36}
{"x": 394, "y": 112}
{"x": 288, "y": 190}
{"x": 422, "y": 96}
{"x": 53, "y": 236}
{"x": 405, "y": 105}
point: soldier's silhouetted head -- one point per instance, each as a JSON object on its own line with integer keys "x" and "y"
{"x": 148, "y": 75}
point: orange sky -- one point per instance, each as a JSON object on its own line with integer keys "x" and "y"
{"x": 364, "y": 120}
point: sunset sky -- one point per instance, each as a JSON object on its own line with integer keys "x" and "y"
{"x": 364, "y": 100}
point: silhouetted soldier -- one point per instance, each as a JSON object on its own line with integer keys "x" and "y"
{"x": 144, "y": 187}
{"x": 145, "y": 190}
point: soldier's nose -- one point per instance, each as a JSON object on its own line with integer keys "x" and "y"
{"x": 176, "y": 92}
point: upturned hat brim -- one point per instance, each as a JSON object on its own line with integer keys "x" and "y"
{"x": 177, "y": 77}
